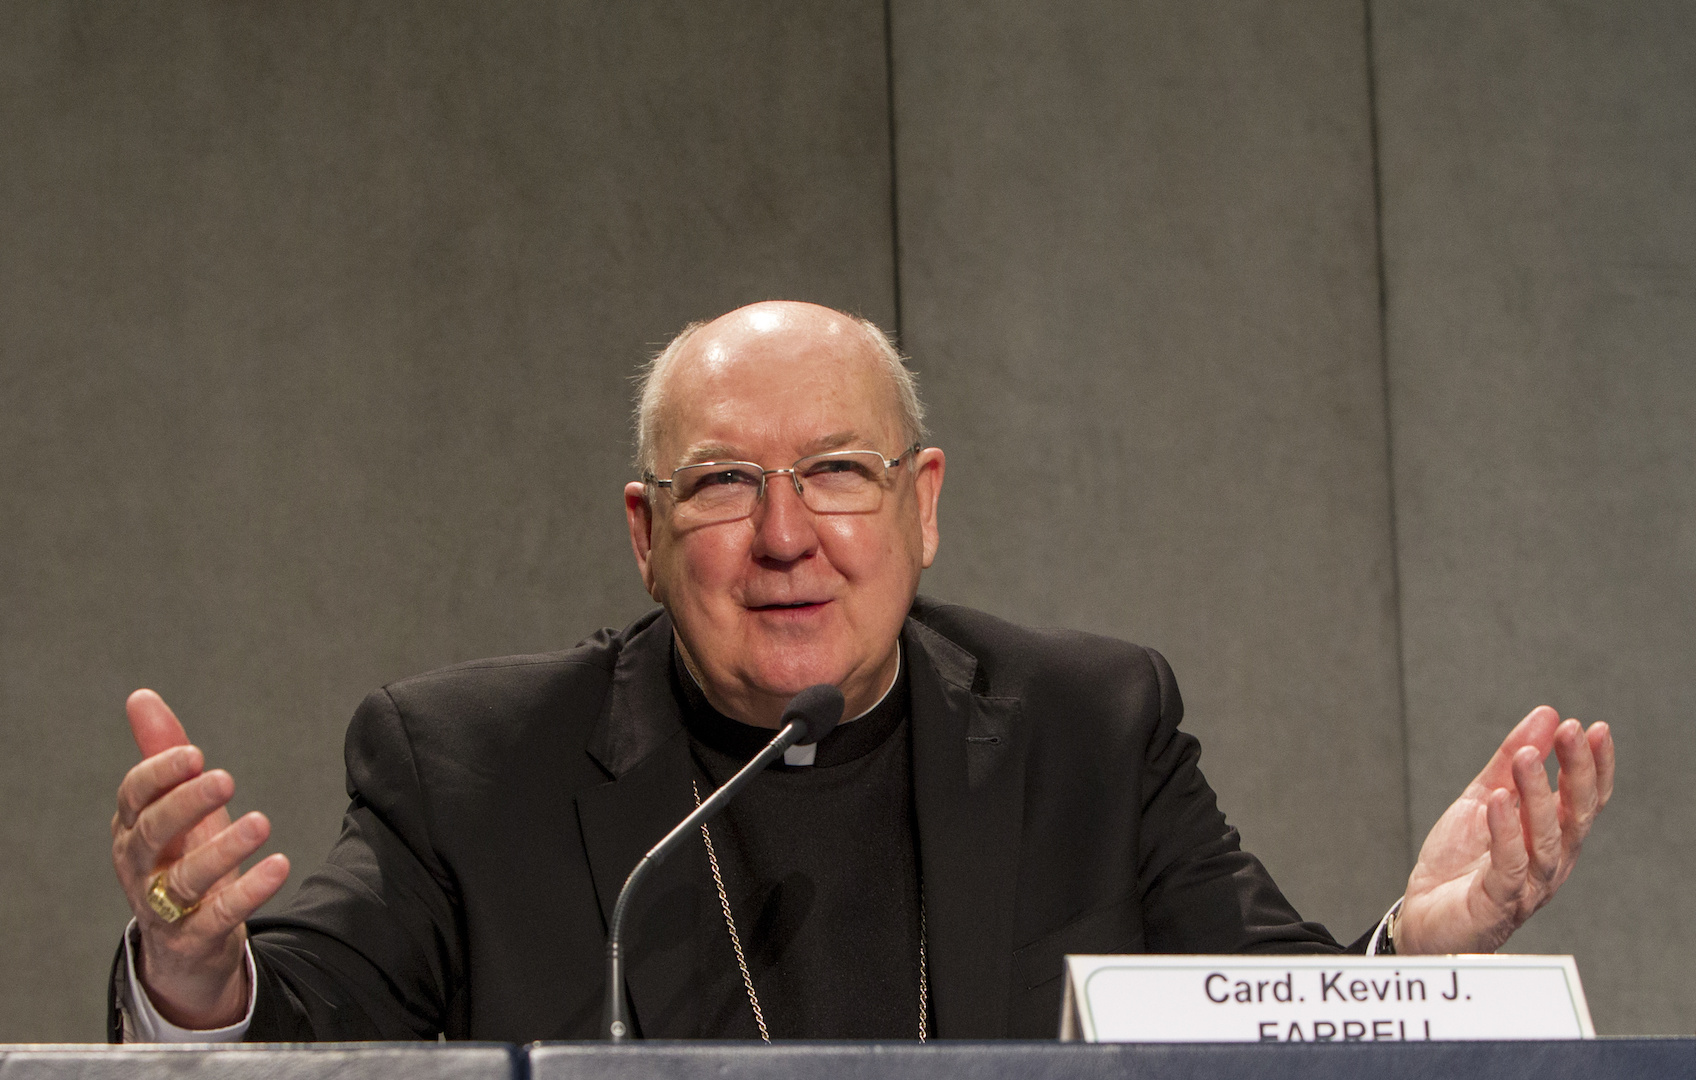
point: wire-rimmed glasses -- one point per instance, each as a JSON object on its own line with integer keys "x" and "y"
{"x": 838, "y": 482}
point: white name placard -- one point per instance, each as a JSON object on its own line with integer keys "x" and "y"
{"x": 1322, "y": 998}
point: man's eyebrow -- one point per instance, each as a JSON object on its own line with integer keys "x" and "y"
{"x": 700, "y": 452}
{"x": 833, "y": 442}
{"x": 713, "y": 451}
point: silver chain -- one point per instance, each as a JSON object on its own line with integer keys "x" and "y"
{"x": 742, "y": 961}
{"x": 924, "y": 978}
{"x": 735, "y": 938}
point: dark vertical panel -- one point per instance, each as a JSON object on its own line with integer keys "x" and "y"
{"x": 315, "y": 328}
{"x": 1539, "y": 164}
{"x": 1139, "y": 281}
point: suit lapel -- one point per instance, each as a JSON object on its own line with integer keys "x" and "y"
{"x": 640, "y": 740}
{"x": 968, "y": 788}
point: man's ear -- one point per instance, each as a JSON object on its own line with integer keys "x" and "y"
{"x": 929, "y": 465}
{"x": 639, "y": 513}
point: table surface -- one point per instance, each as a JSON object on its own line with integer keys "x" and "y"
{"x": 858, "y": 1061}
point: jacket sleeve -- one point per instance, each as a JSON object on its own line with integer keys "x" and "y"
{"x": 370, "y": 947}
{"x": 1201, "y": 892}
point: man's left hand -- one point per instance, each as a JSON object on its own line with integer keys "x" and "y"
{"x": 1504, "y": 847}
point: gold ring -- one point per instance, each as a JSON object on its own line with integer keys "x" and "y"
{"x": 164, "y": 904}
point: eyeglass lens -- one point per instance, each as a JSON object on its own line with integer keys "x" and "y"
{"x": 848, "y": 481}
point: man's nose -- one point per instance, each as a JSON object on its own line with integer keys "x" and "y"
{"x": 783, "y": 526}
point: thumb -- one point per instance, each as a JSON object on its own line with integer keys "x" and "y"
{"x": 154, "y": 725}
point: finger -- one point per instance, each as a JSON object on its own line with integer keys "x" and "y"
{"x": 1601, "y": 740}
{"x": 1577, "y": 782}
{"x": 1539, "y": 813}
{"x": 1509, "y": 861}
{"x": 191, "y": 877}
{"x": 155, "y": 727}
{"x": 231, "y": 905}
{"x": 174, "y": 814}
{"x": 156, "y": 775}
{"x": 1536, "y": 730}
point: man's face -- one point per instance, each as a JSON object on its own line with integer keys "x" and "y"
{"x": 770, "y": 604}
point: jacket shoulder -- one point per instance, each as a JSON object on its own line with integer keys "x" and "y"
{"x": 1024, "y": 661}
{"x": 591, "y": 659}
{"x": 489, "y": 715}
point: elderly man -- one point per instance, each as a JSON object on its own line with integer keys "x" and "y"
{"x": 997, "y": 797}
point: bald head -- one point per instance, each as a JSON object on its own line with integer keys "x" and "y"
{"x": 766, "y": 339}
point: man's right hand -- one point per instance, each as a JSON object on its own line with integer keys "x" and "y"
{"x": 172, "y": 818}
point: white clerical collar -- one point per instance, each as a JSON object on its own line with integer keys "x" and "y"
{"x": 804, "y": 755}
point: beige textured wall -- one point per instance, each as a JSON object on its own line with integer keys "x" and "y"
{"x": 1539, "y": 166}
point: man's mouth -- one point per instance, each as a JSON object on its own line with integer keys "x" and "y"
{"x": 787, "y": 605}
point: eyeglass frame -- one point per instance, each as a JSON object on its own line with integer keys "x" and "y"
{"x": 794, "y": 477}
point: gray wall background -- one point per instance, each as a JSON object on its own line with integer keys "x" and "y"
{"x": 1342, "y": 351}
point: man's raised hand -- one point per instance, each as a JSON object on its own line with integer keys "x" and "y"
{"x": 171, "y": 817}
{"x": 1503, "y": 848}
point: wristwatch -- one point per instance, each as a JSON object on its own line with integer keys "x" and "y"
{"x": 1387, "y": 944}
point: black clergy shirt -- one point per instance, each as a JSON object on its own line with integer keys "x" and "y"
{"x": 820, "y": 870}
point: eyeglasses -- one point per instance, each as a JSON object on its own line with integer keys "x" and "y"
{"x": 840, "y": 482}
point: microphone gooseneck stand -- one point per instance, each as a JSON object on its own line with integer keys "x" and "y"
{"x": 809, "y": 717}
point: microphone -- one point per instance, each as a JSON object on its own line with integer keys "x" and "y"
{"x": 810, "y": 716}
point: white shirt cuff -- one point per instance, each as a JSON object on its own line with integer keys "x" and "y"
{"x": 142, "y": 1022}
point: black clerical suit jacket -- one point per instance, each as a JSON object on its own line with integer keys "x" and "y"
{"x": 498, "y": 806}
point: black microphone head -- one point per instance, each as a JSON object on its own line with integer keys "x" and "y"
{"x": 818, "y": 709}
